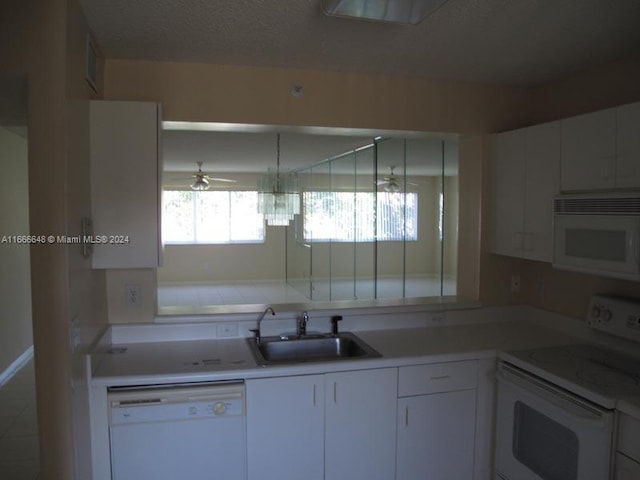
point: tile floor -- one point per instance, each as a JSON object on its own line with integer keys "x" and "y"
{"x": 278, "y": 291}
{"x": 19, "y": 426}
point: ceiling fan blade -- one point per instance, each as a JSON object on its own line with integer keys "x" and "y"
{"x": 216, "y": 179}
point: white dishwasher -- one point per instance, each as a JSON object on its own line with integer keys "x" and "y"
{"x": 194, "y": 432}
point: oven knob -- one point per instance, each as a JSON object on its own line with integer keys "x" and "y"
{"x": 596, "y": 310}
{"x": 606, "y": 315}
{"x": 220, "y": 408}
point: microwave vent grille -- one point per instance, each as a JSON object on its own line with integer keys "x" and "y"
{"x": 597, "y": 206}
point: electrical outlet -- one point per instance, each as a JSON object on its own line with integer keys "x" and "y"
{"x": 515, "y": 283}
{"x": 132, "y": 295}
{"x": 227, "y": 330}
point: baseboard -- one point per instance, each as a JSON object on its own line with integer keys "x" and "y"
{"x": 16, "y": 365}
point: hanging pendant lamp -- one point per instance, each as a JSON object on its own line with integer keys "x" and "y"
{"x": 278, "y": 194}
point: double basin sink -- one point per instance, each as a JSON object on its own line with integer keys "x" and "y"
{"x": 309, "y": 348}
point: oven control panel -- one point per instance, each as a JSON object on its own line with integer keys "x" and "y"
{"x": 615, "y": 315}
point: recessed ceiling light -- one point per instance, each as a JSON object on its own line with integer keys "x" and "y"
{"x": 394, "y": 11}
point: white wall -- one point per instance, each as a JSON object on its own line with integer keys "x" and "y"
{"x": 217, "y": 93}
{"x": 16, "y": 333}
{"x": 225, "y": 263}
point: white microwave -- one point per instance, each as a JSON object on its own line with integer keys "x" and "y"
{"x": 598, "y": 234}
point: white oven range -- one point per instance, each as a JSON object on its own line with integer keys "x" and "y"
{"x": 555, "y": 413}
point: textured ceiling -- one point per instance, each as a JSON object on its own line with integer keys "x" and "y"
{"x": 511, "y": 42}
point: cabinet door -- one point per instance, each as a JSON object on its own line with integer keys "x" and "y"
{"x": 285, "y": 428}
{"x": 626, "y": 469}
{"x": 588, "y": 151}
{"x": 542, "y": 183}
{"x": 125, "y": 172}
{"x": 361, "y": 424}
{"x": 628, "y": 146}
{"x": 436, "y": 436}
{"x": 508, "y": 170}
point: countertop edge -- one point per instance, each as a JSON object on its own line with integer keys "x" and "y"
{"x": 314, "y": 368}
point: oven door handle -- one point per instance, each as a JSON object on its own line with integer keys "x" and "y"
{"x": 574, "y": 409}
{"x": 634, "y": 248}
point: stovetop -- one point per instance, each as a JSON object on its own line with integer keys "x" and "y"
{"x": 596, "y": 373}
{"x": 600, "y": 375}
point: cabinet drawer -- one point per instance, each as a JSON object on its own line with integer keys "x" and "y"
{"x": 437, "y": 377}
{"x": 628, "y": 435}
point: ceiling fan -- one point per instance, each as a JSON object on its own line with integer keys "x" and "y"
{"x": 202, "y": 180}
{"x": 392, "y": 182}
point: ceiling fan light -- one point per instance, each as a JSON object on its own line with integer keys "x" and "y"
{"x": 200, "y": 184}
{"x": 394, "y": 11}
{"x": 392, "y": 187}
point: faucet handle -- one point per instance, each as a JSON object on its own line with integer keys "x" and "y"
{"x": 334, "y": 324}
{"x": 256, "y": 333}
{"x": 301, "y": 324}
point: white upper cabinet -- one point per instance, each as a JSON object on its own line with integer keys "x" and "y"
{"x": 601, "y": 150}
{"x": 628, "y": 146}
{"x": 542, "y": 183}
{"x": 508, "y": 170}
{"x": 525, "y": 178}
{"x": 588, "y": 151}
{"x": 125, "y": 183}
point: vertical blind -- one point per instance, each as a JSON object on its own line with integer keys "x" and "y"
{"x": 360, "y": 216}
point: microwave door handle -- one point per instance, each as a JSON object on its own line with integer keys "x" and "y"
{"x": 563, "y": 406}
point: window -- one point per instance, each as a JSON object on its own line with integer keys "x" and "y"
{"x": 351, "y": 216}
{"x": 215, "y": 217}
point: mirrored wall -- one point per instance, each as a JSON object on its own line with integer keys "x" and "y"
{"x": 378, "y": 219}
{"x": 379, "y": 222}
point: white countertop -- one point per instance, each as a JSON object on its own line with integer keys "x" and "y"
{"x": 225, "y": 359}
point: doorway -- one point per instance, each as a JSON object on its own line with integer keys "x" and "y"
{"x": 18, "y": 420}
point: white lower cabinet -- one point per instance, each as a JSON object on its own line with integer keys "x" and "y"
{"x": 626, "y": 469}
{"x": 436, "y": 436}
{"x": 627, "y": 466}
{"x": 437, "y": 421}
{"x": 360, "y": 436}
{"x": 335, "y": 426}
{"x": 285, "y": 428}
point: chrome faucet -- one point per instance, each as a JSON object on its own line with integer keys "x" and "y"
{"x": 301, "y": 325}
{"x": 256, "y": 331}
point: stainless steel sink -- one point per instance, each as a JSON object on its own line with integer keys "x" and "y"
{"x": 311, "y": 348}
